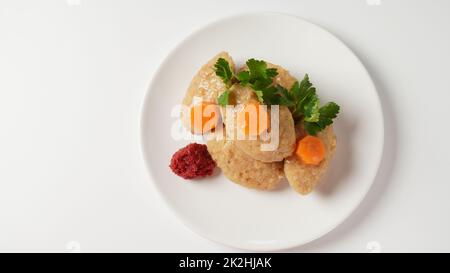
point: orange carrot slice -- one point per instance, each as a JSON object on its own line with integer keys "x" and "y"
{"x": 311, "y": 150}
{"x": 204, "y": 117}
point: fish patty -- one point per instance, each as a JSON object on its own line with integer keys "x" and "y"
{"x": 286, "y": 143}
{"x": 206, "y": 84}
{"x": 242, "y": 169}
{"x": 302, "y": 177}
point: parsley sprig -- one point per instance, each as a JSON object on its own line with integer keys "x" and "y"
{"x": 223, "y": 70}
{"x": 258, "y": 77}
{"x": 304, "y": 104}
{"x": 301, "y": 99}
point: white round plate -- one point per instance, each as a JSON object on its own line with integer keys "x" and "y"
{"x": 248, "y": 219}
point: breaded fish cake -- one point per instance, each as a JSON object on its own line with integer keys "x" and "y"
{"x": 206, "y": 84}
{"x": 286, "y": 144}
{"x": 242, "y": 169}
{"x": 302, "y": 177}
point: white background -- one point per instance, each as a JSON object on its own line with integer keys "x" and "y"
{"x": 73, "y": 74}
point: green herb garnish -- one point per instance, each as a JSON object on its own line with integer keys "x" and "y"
{"x": 258, "y": 77}
{"x": 223, "y": 70}
{"x": 222, "y": 100}
{"x": 304, "y": 104}
{"x": 326, "y": 115}
{"x": 301, "y": 98}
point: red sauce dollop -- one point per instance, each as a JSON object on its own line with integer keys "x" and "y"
{"x": 192, "y": 161}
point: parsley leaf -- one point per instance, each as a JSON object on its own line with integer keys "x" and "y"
{"x": 260, "y": 78}
{"x": 326, "y": 115}
{"x": 304, "y": 104}
{"x": 284, "y": 97}
{"x": 271, "y": 72}
{"x": 312, "y": 128}
{"x": 259, "y": 94}
{"x": 270, "y": 95}
{"x": 311, "y": 109}
{"x": 243, "y": 77}
{"x": 305, "y": 87}
{"x": 257, "y": 69}
{"x": 295, "y": 89}
{"x": 223, "y": 99}
{"x": 223, "y": 70}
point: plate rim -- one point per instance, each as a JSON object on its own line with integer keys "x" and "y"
{"x": 244, "y": 246}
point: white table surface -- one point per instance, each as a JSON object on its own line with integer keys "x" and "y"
{"x": 73, "y": 74}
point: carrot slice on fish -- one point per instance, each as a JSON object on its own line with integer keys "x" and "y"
{"x": 204, "y": 117}
{"x": 311, "y": 150}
